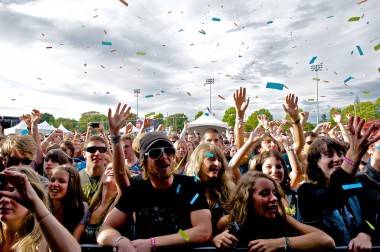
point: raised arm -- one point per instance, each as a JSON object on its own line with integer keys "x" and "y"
{"x": 338, "y": 119}
{"x": 35, "y": 119}
{"x": 291, "y": 108}
{"x": 241, "y": 105}
{"x": 116, "y": 122}
{"x": 57, "y": 236}
{"x": 56, "y": 133}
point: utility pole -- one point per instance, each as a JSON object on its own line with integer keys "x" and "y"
{"x": 137, "y": 92}
{"x": 209, "y": 82}
{"x": 316, "y": 68}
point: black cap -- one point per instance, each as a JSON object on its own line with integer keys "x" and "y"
{"x": 153, "y": 140}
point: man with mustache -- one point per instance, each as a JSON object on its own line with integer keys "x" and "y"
{"x": 170, "y": 210}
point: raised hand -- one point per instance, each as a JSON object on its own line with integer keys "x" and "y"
{"x": 241, "y": 101}
{"x": 291, "y": 106}
{"x": 304, "y": 116}
{"x": 337, "y": 117}
{"x": 326, "y": 127}
{"x": 35, "y": 116}
{"x": 263, "y": 121}
{"x": 118, "y": 120}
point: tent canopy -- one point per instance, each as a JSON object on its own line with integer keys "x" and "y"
{"x": 45, "y": 128}
{"x": 17, "y": 129}
{"x": 64, "y": 130}
{"x": 206, "y": 121}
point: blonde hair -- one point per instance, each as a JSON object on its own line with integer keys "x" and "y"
{"x": 29, "y": 235}
{"x": 219, "y": 191}
{"x": 22, "y": 145}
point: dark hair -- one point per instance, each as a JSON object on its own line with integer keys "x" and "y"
{"x": 319, "y": 146}
{"x": 68, "y": 144}
{"x": 260, "y": 159}
{"x": 266, "y": 136}
{"x": 73, "y": 201}
{"x": 58, "y": 156}
{"x": 95, "y": 139}
{"x": 311, "y": 134}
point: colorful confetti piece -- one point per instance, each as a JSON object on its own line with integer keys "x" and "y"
{"x": 178, "y": 189}
{"x": 269, "y": 22}
{"x": 202, "y": 32}
{"x": 312, "y": 60}
{"x": 377, "y": 47}
{"x": 194, "y": 198}
{"x": 184, "y": 235}
{"x": 124, "y": 2}
{"x": 348, "y": 79}
{"x": 216, "y": 19}
{"x": 209, "y": 154}
{"x": 352, "y": 186}
{"x": 360, "y": 50}
{"x": 107, "y": 43}
{"x": 354, "y": 19}
{"x": 273, "y": 85}
{"x": 149, "y": 96}
{"x": 188, "y": 93}
{"x": 221, "y": 97}
{"x": 141, "y": 53}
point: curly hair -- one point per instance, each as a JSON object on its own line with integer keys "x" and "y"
{"x": 316, "y": 149}
{"x": 240, "y": 204}
{"x": 24, "y": 145}
{"x": 73, "y": 200}
{"x": 260, "y": 159}
{"x": 29, "y": 235}
{"x": 217, "y": 191}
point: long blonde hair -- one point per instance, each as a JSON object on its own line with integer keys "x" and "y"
{"x": 219, "y": 191}
{"x": 29, "y": 236}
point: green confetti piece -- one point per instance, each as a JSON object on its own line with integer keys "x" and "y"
{"x": 352, "y": 19}
{"x": 370, "y": 225}
{"x": 184, "y": 235}
{"x": 378, "y": 69}
{"x": 290, "y": 211}
{"x": 316, "y": 79}
{"x": 209, "y": 154}
{"x": 377, "y": 47}
{"x": 216, "y": 19}
{"x": 141, "y": 53}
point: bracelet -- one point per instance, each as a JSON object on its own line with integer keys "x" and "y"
{"x": 287, "y": 244}
{"x": 115, "y": 139}
{"x": 153, "y": 243}
{"x": 348, "y": 161}
{"x": 115, "y": 242}
{"x": 296, "y": 121}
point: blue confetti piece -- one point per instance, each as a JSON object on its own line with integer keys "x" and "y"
{"x": 178, "y": 188}
{"x": 209, "y": 154}
{"x": 348, "y": 79}
{"x": 312, "y": 60}
{"x": 360, "y": 50}
{"x": 194, "y": 198}
{"x": 106, "y": 43}
{"x": 269, "y": 22}
{"x": 149, "y": 96}
{"x": 24, "y": 132}
{"x": 274, "y": 85}
{"x": 216, "y": 19}
{"x": 352, "y": 186}
{"x": 196, "y": 178}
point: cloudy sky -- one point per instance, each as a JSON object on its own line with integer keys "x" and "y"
{"x": 52, "y": 57}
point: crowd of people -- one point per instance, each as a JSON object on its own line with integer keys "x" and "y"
{"x": 277, "y": 188}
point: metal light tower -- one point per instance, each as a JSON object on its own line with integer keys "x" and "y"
{"x": 317, "y": 68}
{"x": 137, "y": 92}
{"x": 209, "y": 82}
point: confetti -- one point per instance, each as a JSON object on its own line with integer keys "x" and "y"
{"x": 141, "y": 53}
{"x": 352, "y": 19}
{"x": 188, "y": 93}
{"x": 194, "y": 198}
{"x": 269, "y": 22}
{"x": 196, "y": 178}
{"x": 49, "y": 47}
{"x": 326, "y": 81}
{"x": 107, "y": 43}
{"x": 95, "y": 16}
{"x": 316, "y": 79}
{"x": 209, "y": 154}
{"x": 184, "y": 235}
{"x": 202, "y": 32}
{"x": 274, "y": 85}
{"x": 378, "y": 69}
{"x": 352, "y": 186}
{"x": 377, "y": 47}
{"x": 312, "y": 60}
{"x": 102, "y": 66}
{"x": 221, "y": 97}
{"x": 149, "y": 96}
{"x": 348, "y": 79}
{"x": 330, "y": 16}
{"x": 178, "y": 188}
{"x": 360, "y": 50}
{"x": 367, "y": 92}
{"x": 216, "y": 19}
{"x": 124, "y": 2}
{"x": 180, "y": 30}
{"x": 105, "y": 32}
{"x": 310, "y": 99}
{"x": 362, "y": 1}
{"x": 114, "y": 50}
{"x": 370, "y": 225}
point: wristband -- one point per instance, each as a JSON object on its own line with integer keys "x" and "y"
{"x": 287, "y": 244}
{"x": 115, "y": 242}
{"x": 115, "y": 139}
{"x": 153, "y": 243}
{"x": 348, "y": 161}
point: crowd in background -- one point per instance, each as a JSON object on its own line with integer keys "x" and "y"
{"x": 277, "y": 188}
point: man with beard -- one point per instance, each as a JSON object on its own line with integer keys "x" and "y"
{"x": 170, "y": 210}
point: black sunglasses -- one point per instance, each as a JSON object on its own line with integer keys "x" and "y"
{"x": 93, "y": 149}
{"x": 14, "y": 161}
{"x": 156, "y": 153}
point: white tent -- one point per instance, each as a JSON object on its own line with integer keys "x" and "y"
{"x": 206, "y": 121}
{"x": 64, "y": 130}
{"x": 17, "y": 129}
{"x": 45, "y": 128}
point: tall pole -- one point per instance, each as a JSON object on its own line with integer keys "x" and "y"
{"x": 209, "y": 82}
{"x": 316, "y": 68}
{"x": 137, "y": 92}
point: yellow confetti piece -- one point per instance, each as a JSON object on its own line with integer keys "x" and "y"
{"x": 184, "y": 235}
{"x": 370, "y": 225}
{"x": 290, "y": 211}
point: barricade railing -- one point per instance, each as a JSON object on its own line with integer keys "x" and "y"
{"x": 98, "y": 248}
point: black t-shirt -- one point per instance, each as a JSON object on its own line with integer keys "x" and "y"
{"x": 162, "y": 212}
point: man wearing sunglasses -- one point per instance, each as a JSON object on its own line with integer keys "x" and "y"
{"x": 170, "y": 210}
{"x": 95, "y": 154}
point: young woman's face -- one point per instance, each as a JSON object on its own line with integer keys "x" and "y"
{"x": 10, "y": 210}
{"x": 59, "y": 182}
{"x": 330, "y": 161}
{"x": 49, "y": 165}
{"x": 267, "y": 145}
{"x": 190, "y": 147}
{"x": 273, "y": 168}
{"x": 264, "y": 197}
{"x": 211, "y": 165}
{"x": 181, "y": 151}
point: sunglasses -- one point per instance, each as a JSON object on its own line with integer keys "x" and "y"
{"x": 14, "y": 161}
{"x": 156, "y": 153}
{"x": 93, "y": 149}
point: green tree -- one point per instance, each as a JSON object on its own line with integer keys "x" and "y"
{"x": 198, "y": 114}
{"x": 175, "y": 121}
{"x": 229, "y": 116}
{"x": 252, "y": 121}
{"x": 70, "y": 124}
{"x": 308, "y": 126}
{"x": 92, "y": 116}
{"x": 48, "y": 117}
{"x": 159, "y": 117}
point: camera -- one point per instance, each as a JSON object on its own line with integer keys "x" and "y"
{"x": 94, "y": 124}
